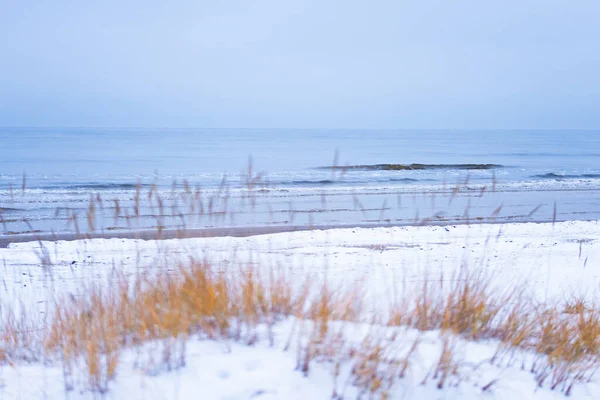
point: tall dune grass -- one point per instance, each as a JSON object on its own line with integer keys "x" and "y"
{"x": 198, "y": 301}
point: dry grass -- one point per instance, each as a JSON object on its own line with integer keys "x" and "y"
{"x": 375, "y": 367}
{"x": 19, "y": 334}
{"x": 447, "y": 366}
{"x": 571, "y": 346}
{"x": 198, "y": 300}
{"x": 567, "y": 343}
{"x": 465, "y": 305}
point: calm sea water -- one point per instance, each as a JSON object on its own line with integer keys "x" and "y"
{"x": 47, "y": 176}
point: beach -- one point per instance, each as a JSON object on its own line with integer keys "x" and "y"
{"x": 553, "y": 261}
{"x": 473, "y": 277}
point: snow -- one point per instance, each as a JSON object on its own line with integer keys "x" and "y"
{"x": 554, "y": 260}
{"x": 216, "y": 370}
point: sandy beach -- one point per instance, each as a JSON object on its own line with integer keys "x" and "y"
{"x": 551, "y": 255}
{"x": 553, "y": 260}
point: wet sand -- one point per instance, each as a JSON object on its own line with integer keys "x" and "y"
{"x": 241, "y": 231}
{"x": 153, "y": 234}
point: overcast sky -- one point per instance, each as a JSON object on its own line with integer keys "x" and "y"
{"x": 292, "y": 63}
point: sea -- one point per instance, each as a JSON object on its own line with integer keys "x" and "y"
{"x": 115, "y": 179}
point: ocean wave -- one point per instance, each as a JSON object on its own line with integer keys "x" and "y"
{"x": 307, "y": 182}
{"x": 9, "y": 209}
{"x": 97, "y": 186}
{"x": 410, "y": 180}
{"x": 414, "y": 167}
{"x": 553, "y": 175}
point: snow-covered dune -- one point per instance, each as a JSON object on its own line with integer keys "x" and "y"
{"x": 553, "y": 260}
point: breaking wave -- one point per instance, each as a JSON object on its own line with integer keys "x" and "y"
{"x": 306, "y": 182}
{"x": 97, "y": 186}
{"x": 553, "y": 175}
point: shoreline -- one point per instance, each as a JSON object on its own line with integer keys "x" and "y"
{"x": 241, "y": 231}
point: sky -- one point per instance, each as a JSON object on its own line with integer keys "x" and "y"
{"x": 464, "y": 64}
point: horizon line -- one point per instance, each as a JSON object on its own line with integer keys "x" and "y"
{"x": 292, "y": 128}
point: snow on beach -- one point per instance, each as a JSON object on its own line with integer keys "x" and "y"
{"x": 555, "y": 261}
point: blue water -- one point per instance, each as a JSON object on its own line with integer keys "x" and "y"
{"x": 48, "y": 175}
